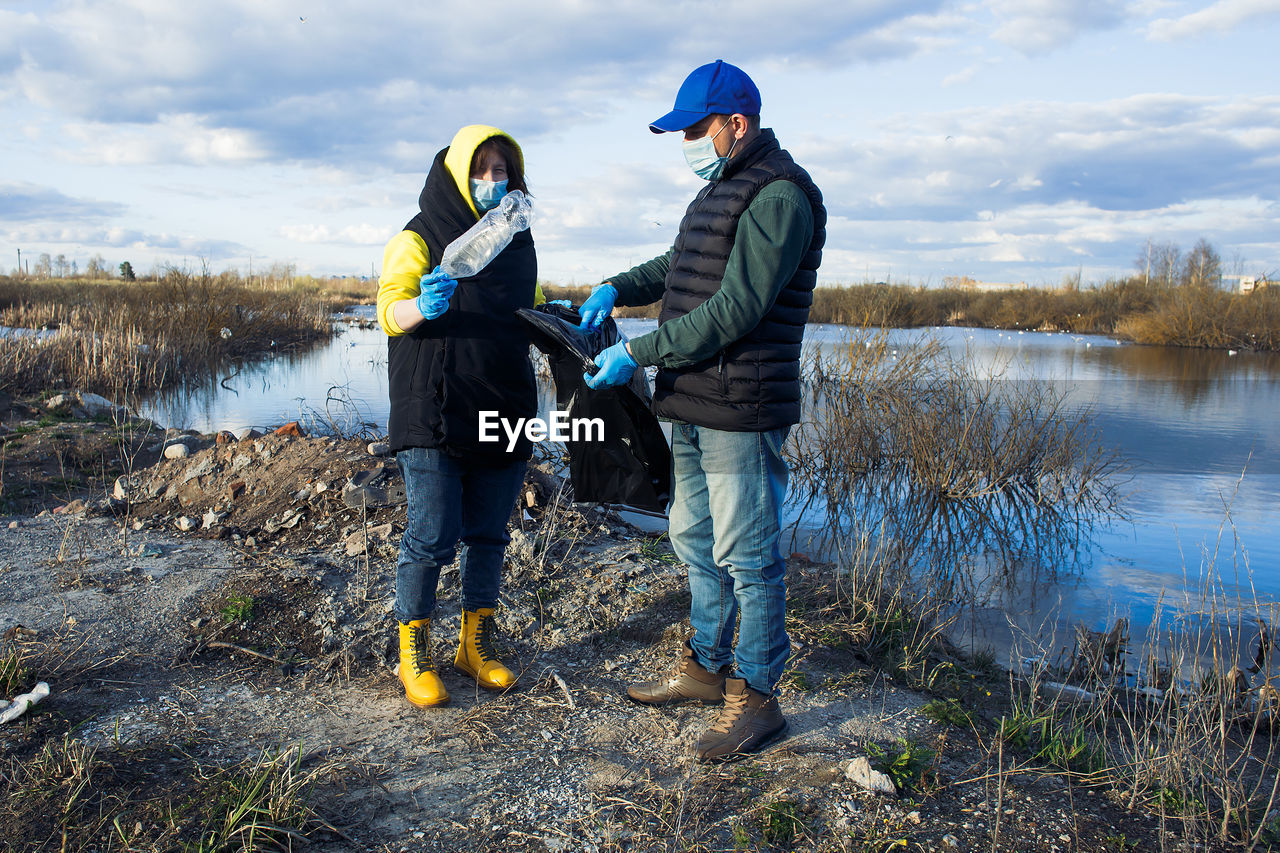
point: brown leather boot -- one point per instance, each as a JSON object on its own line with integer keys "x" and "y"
{"x": 687, "y": 681}
{"x": 748, "y": 721}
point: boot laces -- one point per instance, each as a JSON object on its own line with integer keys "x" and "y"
{"x": 734, "y": 705}
{"x": 485, "y": 630}
{"x": 678, "y": 670}
{"x": 421, "y": 649}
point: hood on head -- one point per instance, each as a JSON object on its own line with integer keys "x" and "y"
{"x": 463, "y": 147}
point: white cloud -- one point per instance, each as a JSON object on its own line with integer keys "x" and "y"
{"x": 1223, "y": 16}
{"x": 181, "y": 138}
{"x": 92, "y": 237}
{"x": 1030, "y": 26}
{"x": 362, "y": 80}
{"x": 363, "y": 234}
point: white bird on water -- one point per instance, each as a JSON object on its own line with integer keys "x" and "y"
{"x": 1231, "y": 352}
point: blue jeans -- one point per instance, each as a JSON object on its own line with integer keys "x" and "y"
{"x": 451, "y": 500}
{"x": 726, "y": 523}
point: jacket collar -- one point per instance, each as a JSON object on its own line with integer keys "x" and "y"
{"x": 759, "y": 148}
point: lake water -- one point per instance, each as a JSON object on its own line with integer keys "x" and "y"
{"x": 1199, "y": 431}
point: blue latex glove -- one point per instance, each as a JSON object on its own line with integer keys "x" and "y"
{"x": 616, "y": 366}
{"x": 437, "y": 287}
{"x": 598, "y": 306}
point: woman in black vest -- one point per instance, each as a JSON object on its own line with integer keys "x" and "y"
{"x": 456, "y": 352}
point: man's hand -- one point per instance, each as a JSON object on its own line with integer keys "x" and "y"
{"x": 436, "y": 287}
{"x": 616, "y": 366}
{"x": 598, "y": 306}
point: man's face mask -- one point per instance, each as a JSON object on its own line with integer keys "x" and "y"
{"x": 487, "y": 194}
{"x": 702, "y": 157}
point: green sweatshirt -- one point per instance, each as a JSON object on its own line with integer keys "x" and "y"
{"x": 773, "y": 234}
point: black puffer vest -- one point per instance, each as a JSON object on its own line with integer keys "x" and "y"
{"x": 752, "y": 385}
{"x": 473, "y": 358}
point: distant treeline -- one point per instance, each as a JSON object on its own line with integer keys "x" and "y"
{"x": 1138, "y": 309}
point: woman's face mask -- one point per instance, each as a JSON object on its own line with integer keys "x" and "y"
{"x": 702, "y": 157}
{"x": 487, "y": 194}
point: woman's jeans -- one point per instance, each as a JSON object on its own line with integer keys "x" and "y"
{"x": 726, "y": 523}
{"x": 451, "y": 500}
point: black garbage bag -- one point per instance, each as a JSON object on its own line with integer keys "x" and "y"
{"x": 632, "y": 465}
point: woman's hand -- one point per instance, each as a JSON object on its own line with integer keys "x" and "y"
{"x": 437, "y": 288}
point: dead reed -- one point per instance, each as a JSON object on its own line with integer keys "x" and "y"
{"x": 122, "y": 339}
{"x": 1176, "y": 727}
{"x": 1188, "y": 315}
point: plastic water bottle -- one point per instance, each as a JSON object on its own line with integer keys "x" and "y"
{"x": 482, "y": 242}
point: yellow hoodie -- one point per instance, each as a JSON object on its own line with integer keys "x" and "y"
{"x": 406, "y": 258}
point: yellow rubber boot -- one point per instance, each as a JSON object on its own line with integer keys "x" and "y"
{"x": 476, "y": 656}
{"x": 422, "y": 685}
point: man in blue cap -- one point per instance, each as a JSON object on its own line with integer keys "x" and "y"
{"x": 736, "y": 289}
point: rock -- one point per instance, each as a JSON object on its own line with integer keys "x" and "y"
{"x": 186, "y": 523}
{"x": 291, "y": 429}
{"x": 126, "y": 488}
{"x": 321, "y": 487}
{"x": 522, "y": 547}
{"x": 95, "y": 405}
{"x": 177, "y": 450}
{"x": 861, "y": 773}
{"x": 235, "y": 489}
{"x": 199, "y": 469}
{"x": 355, "y": 543}
{"x": 59, "y": 401}
{"x": 73, "y": 508}
{"x": 951, "y": 842}
{"x": 290, "y": 519}
{"x": 240, "y": 462}
{"x": 210, "y": 518}
{"x": 250, "y": 434}
{"x": 225, "y": 437}
{"x": 379, "y": 448}
{"x": 13, "y": 525}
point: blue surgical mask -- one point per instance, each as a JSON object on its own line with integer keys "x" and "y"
{"x": 487, "y": 194}
{"x": 702, "y": 157}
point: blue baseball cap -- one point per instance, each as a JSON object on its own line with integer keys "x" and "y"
{"x": 716, "y": 87}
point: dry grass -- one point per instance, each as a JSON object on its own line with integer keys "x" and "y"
{"x": 1145, "y": 312}
{"x": 123, "y": 339}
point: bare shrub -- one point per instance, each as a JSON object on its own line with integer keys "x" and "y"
{"x": 950, "y": 475}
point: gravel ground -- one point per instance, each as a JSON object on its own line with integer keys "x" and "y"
{"x": 201, "y": 648}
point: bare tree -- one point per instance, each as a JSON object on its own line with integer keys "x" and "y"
{"x": 1164, "y": 262}
{"x": 1202, "y": 266}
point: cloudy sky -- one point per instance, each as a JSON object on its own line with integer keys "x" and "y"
{"x": 1001, "y": 139}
